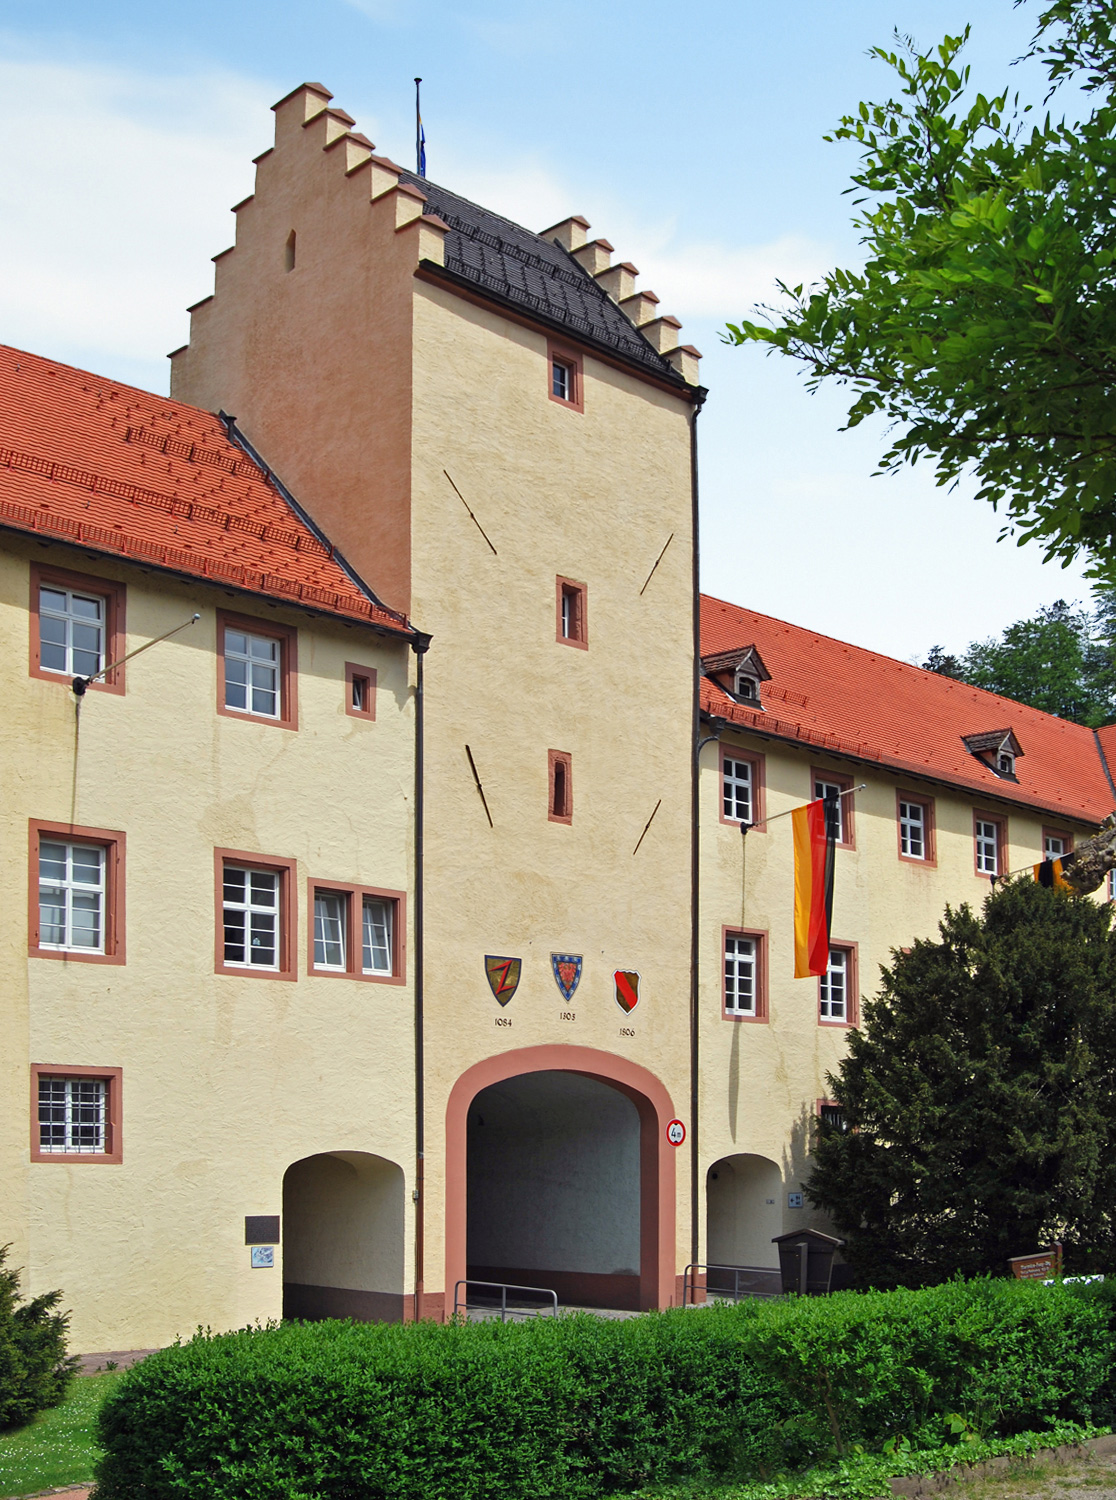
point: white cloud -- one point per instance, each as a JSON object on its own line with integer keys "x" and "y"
{"x": 114, "y": 194}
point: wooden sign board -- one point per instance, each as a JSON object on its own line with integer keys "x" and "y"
{"x": 1043, "y": 1265}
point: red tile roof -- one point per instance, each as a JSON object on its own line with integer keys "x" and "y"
{"x": 852, "y": 702}
{"x": 86, "y": 460}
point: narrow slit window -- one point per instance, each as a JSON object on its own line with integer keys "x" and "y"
{"x": 289, "y": 252}
{"x": 560, "y": 809}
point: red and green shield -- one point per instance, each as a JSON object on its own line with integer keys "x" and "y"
{"x": 503, "y": 976}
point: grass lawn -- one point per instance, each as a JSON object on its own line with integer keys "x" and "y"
{"x": 58, "y": 1447}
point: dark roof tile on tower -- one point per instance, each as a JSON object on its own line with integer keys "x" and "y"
{"x": 536, "y": 275}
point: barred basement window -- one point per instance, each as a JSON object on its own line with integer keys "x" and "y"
{"x": 73, "y": 1116}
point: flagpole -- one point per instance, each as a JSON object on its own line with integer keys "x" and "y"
{"x": 846, "y": 793}
{"x": 418, "y": 131}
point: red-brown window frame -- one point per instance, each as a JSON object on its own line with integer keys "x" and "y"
{"x": 114, "y": 844}
{"x": 287, "y": 870}
{"x": 930, "y": 830}
{"x": 287, "y": 636}
{"x": 354, "y": 672}
{"x": 759, "y": 786}
{"x": 562, "y": 354}
{"x": 846, "y": 783}
{"x": 1001, "y": 824}
{"x": 115, "y": 595}
{"x": 760, "y": 938}
{"x": 114, "y": 1133}
{"x": 581, "y": 613}
{"x": 554, "y": 759}
{"x": 355, "y": 895}
{"x": 1057, "y": 833}
{"x": 852, "y": 989}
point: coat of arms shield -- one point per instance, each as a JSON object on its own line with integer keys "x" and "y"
{"x": 567, "y": 972}
{"x": 503, "y": 976}
{"x": 627, "y": 989}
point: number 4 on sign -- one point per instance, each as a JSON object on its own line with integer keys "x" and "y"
{"x": 676, "y": 1132}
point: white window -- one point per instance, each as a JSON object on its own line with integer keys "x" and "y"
{"x": 1005, "y": 763}
{"x": 740, "y": 976}
{"x": 737, "y": 789}
{"x": 1054, "y": 846}
{"x": 834, "y": 987}
{"x": 835, "y": 807}
{"x": 912, "y": 830}
{"x": 71, "y": 631}
{"x": 1112, "y": 885}
{"x": 987, "y": 847}
{"x": 330, "y": 937}
{"x": 71, "y": 896}
{"x": 561, "y": 380}
{"x": 378, "y": 923}
{"x": 251, "y": 917}
{"x": 72, "y": 1115}
{"x": 252, "y": 666}
{"x": 747, "y": 687}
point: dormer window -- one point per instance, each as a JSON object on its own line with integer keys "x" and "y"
{"x": 740, "y": 672}
{"x": 998, "y": 749}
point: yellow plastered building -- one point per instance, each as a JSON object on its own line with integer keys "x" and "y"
{"x": 527, "y": 1018}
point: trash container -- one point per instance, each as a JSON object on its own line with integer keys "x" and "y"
{"x": 806, "y": 1260}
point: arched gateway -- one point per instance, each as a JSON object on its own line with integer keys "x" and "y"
{"x": 559, "y": 1173}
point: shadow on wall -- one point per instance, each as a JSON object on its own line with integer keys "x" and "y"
{"x": 343, "y": 1225}
{"x": 744, "y": 1214}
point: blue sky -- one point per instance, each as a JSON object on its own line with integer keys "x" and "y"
{"x": 690, "y": 136}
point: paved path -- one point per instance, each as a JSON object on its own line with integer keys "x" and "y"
{"x": 1089, "y": 1477}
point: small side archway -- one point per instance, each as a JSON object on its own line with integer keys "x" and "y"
{"x": 652, "y": 1156}
{"x": 743, "y": 1211}
{"x": 343, "y": 1234}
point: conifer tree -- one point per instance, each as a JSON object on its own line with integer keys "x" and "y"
{"x": 979, "y": 1097}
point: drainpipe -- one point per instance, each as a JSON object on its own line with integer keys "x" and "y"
{"x": 695, "y": 730}
{"x": 420, "y": 645}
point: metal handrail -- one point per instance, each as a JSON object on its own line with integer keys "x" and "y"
{"x": 504, "y": 1287}
{"x": 689, "y": 1282}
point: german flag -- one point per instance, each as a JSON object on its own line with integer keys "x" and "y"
{"x": 815, "y": 828}
{"x": 1051, "y": 873}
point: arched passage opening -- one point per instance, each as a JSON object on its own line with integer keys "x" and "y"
{"x": 743, "y": 1215}
{"x": 554, "y": 1189}
{"x": 343, "y": 1225}
{"x": 569, "y": 1182}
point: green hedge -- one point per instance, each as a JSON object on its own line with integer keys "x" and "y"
{"x": 579, "y": 1407}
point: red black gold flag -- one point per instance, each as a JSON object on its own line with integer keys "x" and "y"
{"x": 814, "y": 833}
{"x": 1051, "y": 873}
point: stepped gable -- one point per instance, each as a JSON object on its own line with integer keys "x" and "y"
{"x": 537, "y": 275}
{"x": 856, "y": 703}
{"x": 119, "y": 471}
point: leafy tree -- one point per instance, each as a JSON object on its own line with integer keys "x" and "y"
{"x": 983, "y": 324}
{"x": 979, "y": 1099}
{"x": 34, "y": 1368}
{"x": 1062, "y": 660}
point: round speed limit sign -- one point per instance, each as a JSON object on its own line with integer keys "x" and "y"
{"x": 676, "y": 1132}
